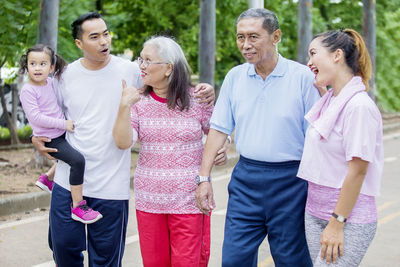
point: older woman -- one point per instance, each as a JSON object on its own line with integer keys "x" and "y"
{"x": 170, "y": 126}
{"x": 343, "y": 152}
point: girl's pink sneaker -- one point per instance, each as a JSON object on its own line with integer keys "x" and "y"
{"x": 82, "y": 213}
{"x": 44, "y": 183}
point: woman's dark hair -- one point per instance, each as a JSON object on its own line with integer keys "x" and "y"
{"x": 179, "y": 80}
{"x": 76, "y": 26}
{"x": 353, "y": 46}
{"x": 56, "y": 60}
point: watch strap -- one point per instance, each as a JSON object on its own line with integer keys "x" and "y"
{"x": 339, "y": 218}
{"x": 200, "y": 179}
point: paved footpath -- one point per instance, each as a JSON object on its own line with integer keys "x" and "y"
{"x": 23, "y": 237}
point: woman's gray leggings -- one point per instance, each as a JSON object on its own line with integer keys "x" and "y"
{"x": 357, "y": 237}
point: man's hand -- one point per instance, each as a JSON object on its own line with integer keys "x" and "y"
{"x": 204, "y": 93}
{"x": 38, "y": 143}
{"x": 205, "y": 198}
{"x": 69, "y": 126}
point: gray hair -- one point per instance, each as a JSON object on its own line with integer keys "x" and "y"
{"x": 170, "y": 51}
{"x": 179, "y": 80}
{"x": 270, "y": 22}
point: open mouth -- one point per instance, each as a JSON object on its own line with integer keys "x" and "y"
{"x": 104, "y": 51}
{"x": 314, "y": 70}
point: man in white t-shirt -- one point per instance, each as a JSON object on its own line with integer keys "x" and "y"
{"x": 89, "y": 93}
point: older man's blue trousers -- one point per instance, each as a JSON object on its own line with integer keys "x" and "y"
{"x": 265, "y": 199}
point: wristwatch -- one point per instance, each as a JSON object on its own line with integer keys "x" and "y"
{"x": 339, "y": 218}
{"x": 200, "y": 179}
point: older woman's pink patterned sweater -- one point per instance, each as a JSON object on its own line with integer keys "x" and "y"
{"x": 170, "y": 155}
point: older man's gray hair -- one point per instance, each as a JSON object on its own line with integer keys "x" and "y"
{"x": 270, "y": 22}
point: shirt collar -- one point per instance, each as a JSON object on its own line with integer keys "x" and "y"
{"x": 279, "y": 70}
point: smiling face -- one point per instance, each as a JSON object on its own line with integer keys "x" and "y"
{"x": 322, "y": 62}
{"x": 95, "y": 41}
{"x": 39, "y": 67}
{"x": 155, "y": 72}
{"x": 255, "y": 43}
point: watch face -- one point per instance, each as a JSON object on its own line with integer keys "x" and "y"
{"x": 340, "y": 218}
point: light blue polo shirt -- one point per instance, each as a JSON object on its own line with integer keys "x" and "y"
{"x": 267, "y": 115}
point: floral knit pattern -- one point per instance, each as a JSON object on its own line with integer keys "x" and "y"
{"x": 170, "y": 155}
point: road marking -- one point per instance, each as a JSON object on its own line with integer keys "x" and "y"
{"x": 385, "y": 205}
{"x": 219, "y": 212}
{"x": 131, "y": 239}
{"x": 46, "y": 264}
{"x": 390, "y": 159}
{"x": 221, "y": 177}
{"x": 266, "y": 262}
{"x": 388, "y": 218}
{"x": 24, "y": 221}
{"x": 128, "y": 240}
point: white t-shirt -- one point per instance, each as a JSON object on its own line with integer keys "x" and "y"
{"x": 91, "y": 99}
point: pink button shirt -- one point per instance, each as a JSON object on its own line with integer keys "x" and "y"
{"x": 347, "y": 126}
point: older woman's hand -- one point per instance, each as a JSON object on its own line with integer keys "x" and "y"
{"x": 205, "y": 198}
{"x": 221, "y": 157}
{"x": 130, "y": 95}
{"x": 204, "y": 92}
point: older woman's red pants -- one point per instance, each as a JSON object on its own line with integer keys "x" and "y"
{"x": 174, "y": 239}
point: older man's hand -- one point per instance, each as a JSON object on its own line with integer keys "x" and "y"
{"x": 204, "y": 92}
{"x": 205, "y": 198}
{"x": 38, "y": 143}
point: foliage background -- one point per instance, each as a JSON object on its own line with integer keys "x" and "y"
{"x": 132, "y": 21}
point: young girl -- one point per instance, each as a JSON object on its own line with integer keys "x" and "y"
{"x": 343, "y": 152}
{"x": 46, "y": 118}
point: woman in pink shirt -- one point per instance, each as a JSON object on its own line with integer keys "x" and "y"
{"x": 343, "y": 152}
{"x": 170, "y": 126}
{"x": 46, "y": 118}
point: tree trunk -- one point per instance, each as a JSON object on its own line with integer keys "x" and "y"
{"x": 207, "y": 41}
{"x": 48, "y": 23}
{"x": 305, "y": 30}
{"x": 256, "y": 3}
{"x": 10, "y": 124}
{"x": 369, "y": 32}
{"x": 14, "y": 98}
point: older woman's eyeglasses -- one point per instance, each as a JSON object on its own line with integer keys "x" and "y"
{"x": 147, "y": 62}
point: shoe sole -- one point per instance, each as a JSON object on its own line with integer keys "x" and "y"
{"x": 43, "y": 187}
{"x": 76, "y": 218}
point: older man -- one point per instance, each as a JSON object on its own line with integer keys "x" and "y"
{"x": 265, "y": 100}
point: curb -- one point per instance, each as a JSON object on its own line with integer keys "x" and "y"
{"x": 389, "y": 128}
{"x": 30, "y": 201}
{"x": 24, "y": 202}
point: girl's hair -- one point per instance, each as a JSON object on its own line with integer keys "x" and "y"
{"x": 353, "y": 46}
{"x": 55, "y": 59}
{"x": 179, "y": 80}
